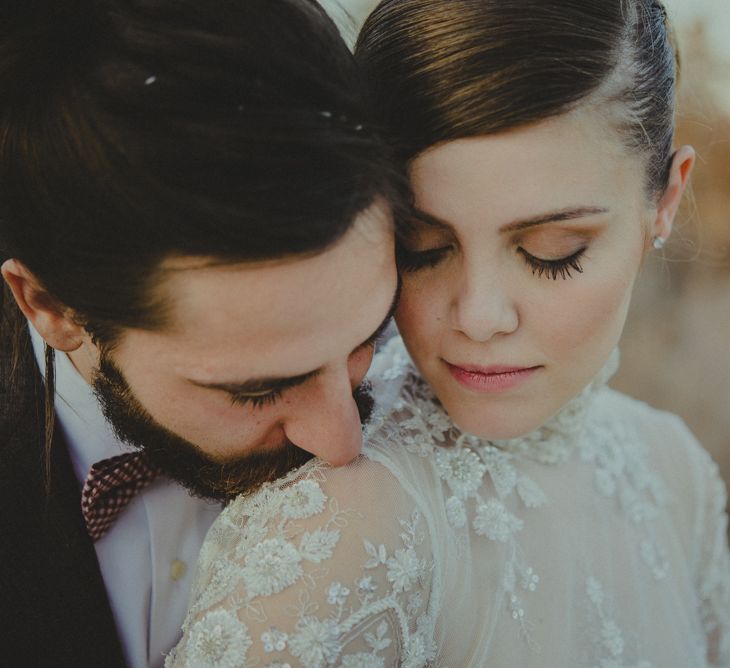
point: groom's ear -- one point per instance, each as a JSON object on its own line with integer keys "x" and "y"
{"x": 683, "y": 161}
{"x": 51, "y": 319}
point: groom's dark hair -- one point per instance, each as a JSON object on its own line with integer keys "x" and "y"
{"x": 132, "y": 131}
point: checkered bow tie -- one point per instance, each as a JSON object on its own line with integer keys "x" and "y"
{"x": 110, "y": 486}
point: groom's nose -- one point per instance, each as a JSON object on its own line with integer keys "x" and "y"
{"x": 327, "y": 423}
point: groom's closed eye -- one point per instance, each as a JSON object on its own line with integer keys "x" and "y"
{"x": 270, "y": 395}
{"x": 263, "y": 391}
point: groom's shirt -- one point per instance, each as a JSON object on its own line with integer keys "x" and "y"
{"x": 148, "y": 557}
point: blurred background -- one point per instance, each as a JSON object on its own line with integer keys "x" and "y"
{"x": 676, "y": 346}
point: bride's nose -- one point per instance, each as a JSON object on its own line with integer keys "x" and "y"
{"x": 482, "y": 305}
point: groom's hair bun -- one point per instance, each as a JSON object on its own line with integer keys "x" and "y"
{"x": 136, "y": 130}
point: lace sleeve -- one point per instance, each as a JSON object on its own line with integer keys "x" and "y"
{"x": 714, "y": 569}
{"x": 331, "y": 568}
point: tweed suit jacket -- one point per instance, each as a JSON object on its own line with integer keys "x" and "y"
{"x": 54, "y": 610}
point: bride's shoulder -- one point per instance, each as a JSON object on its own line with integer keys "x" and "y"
{"x": 362, "y": 482}
{"x": 341, "y": 555}
{"x": 670, "y": 443}
{"x": 652, "y": 423}
{"x": 362, "y": 498}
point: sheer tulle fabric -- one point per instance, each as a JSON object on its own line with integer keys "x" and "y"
{"x": 599, "y": 540}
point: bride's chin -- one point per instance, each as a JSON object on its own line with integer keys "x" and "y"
{"x": 496, "y": 425}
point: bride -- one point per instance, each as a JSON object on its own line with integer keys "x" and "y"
{"x": 509, "y": 508}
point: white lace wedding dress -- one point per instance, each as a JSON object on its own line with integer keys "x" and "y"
{"x": 598, "y": 541}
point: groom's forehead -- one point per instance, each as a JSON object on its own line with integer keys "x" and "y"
{"x": 287, "y": 295}
{"x": 230, "y": 322}
{"x": 224, "y": 380}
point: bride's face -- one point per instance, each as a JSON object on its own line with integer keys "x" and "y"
{"x": 519, "y": 269}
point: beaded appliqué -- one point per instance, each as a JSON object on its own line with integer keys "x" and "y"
{"x": 464, "y": 462}
{"x": 622, "y": 472}
{"x": 610, "y": 639}
{"x": 257, "y": 549}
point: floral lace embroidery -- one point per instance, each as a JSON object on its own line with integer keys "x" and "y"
{"x": 714, "y": 574}
{"x": 610, "y": 639}
{"x": 486, "y": 498}
{"x": 218, "y": 640}
{"x": 426, "y": 431}
{"x": 270, "y": 559}
{"x": 464, "y": 461}
{"x": 622, "y": 472}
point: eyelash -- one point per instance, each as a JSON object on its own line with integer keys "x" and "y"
{"x": 554, "y": 268}
{"x": 271, "y": 397}
{"x": 412, "y": 261}
{"x": 257, "y": 401}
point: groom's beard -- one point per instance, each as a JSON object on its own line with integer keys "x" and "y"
{"x": 186, "y": 463}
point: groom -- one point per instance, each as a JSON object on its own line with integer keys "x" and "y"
{"x": 195, "y": 222}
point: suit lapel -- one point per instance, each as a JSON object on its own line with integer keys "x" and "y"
{"x": 55, "y": 610}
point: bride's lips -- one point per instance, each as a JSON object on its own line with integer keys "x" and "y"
{"x": 490, "y": 378}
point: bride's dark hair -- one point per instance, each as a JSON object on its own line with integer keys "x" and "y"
{"x": 441, "y": 70}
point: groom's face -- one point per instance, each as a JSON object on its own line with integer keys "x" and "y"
{"x": 260, "y": 365}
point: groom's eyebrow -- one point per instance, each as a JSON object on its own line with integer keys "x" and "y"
{"x": 262, "y": 384}
{"x": 265, "y": 384}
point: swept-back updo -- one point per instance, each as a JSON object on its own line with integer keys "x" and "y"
{"x": 448, "y": 69}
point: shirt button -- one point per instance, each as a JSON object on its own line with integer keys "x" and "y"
{"x": 178, "y": 569}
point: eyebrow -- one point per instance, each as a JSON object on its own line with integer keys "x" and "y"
{"x": 517, "y": 225}
{"x": 267, "y": 384}
{"x": 554, "y": 217}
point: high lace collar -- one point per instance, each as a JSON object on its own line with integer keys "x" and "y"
{"x": 557, "y": 437}
{"x": 550, "y": 443}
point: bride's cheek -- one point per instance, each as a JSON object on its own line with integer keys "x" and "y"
{"x": 590, "y": 317}
{"x": 418, "y": 312}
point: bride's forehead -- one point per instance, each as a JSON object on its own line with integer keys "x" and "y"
{"x": 565, "y": 152}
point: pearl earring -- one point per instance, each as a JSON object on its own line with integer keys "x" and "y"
{"x": 658, "y": 242}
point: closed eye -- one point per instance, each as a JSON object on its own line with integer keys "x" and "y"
{"x": 553, "y": 268}
{"x": 270, "y": 392}
{"x": 410, "y": 260}
{"x": 256, "y": 399}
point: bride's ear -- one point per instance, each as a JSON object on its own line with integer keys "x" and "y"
{"x": 683, "y": 161}
{"x": 49, "y": 318}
